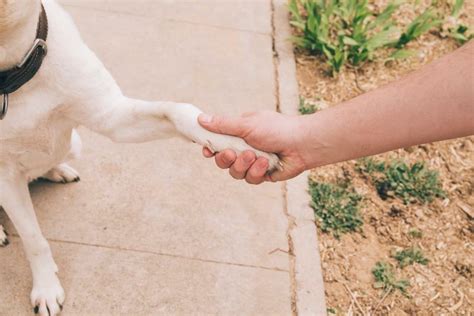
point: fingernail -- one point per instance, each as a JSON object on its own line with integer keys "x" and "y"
{"x": 205, "y": 118}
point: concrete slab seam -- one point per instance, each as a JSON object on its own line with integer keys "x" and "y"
{"x": 308, "y": 295}
{"x": 291, "y": 221}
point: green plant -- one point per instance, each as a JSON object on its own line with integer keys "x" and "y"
{"x": 336, "y": 207}
{"x": 385, "y": 278}
{"x": 306, "y": 107}
{"x": 410, "y": 256}
{"x": 415, "y": 233}
{"x": 342, "y": 30}
{"x": 456, "y": 30}
{"x": 420, "y": 25}
{"x": 397, "y": 179}
{"x": 410, "y": 183}
{"x": 369, "y": 165}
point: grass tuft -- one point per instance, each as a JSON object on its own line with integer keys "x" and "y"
{"x": 306, "y": 107}
{"x": 351, "y": 31}
{"x": 336, "y": 207}
{"x": 410, "y": 256}
{"x": 385, "y": 278}
{"x": 410, "y": 183}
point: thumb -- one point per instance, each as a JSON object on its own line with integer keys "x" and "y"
{"x": 277, "y": 176}
{"x": 222, "y": 125}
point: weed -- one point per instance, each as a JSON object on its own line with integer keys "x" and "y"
{"x": 454, "y": 28}
{"x": 411, "y": 183}
{"x": 336, "y": 206}
{"x": 350, "y": 31}
{"x": 410, "y": 256}
{"x": 385, "y": 278}
{"x": 415, "y": 233}
{"x": 420, "y": 25}
{"x": 369, "y": 166}
{"x": 342, "y": 30}
{"x": 306, "y": 107}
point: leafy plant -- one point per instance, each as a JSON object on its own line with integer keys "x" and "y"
{"x": 306, "y": 107}
{"x": 411, "y": 183}
{"x": 455, "y": 29}
{"x": 385, "y": 278}
{"x": 420, "y": 25}
{"x": 369, "y": 166}
{"x": 342, "y": 30}
{"x": 336, "y": 207}
{"x": 410, "y": 256}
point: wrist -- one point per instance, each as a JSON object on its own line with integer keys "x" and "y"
{"x": 315, "y": 140}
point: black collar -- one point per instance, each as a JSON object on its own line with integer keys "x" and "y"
{"x": 14, "y": 78}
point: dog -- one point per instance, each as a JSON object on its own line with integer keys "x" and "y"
{"x": 70, "y": 88}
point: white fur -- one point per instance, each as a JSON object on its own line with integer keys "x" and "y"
{"x": 72, "y": 88}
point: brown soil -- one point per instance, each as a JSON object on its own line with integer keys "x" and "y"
{"x": 445, "y": 285}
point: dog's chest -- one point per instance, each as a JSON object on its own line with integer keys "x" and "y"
{"x": 34, "y": 137}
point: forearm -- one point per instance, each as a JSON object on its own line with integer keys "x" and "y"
{"x": 435, "y": 103}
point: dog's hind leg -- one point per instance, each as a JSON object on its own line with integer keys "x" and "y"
{"x": 47, "y": 295}
{"x": 63, "y": 173}
{"x": 3, "y": 237}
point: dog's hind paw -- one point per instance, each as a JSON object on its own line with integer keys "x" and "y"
{"x": 3, "y": 237}
{"x": 62, "y": 173}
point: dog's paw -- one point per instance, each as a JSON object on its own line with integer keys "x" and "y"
{"x": 48, "y": 298}
{"x": 62, "y": 173}
{"x": 3, "y": 237}
{"x": 217, "y": 143}
{"x": 185, "y": 118}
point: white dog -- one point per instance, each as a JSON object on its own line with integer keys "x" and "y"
{"x": 37, "y": 134}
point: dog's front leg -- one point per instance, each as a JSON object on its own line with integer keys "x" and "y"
{"x": 128, "y": 120}
{"x": 47, "y": 295}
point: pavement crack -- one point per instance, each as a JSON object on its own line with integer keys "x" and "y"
{"x": 164, "y": 254}
{"x": 165, "y": 19}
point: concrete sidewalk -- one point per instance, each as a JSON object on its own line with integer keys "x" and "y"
{"x": 155, "y": 228}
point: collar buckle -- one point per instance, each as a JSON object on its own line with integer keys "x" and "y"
{"x": 37, "y": 43}
{"x": 4, "y": 108}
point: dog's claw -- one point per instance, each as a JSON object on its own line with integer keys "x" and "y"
{"x": 36, "y": 309}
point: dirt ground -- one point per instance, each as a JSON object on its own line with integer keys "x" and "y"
{"x": 445, "y": 285}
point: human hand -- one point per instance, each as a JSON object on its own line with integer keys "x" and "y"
{"x": 266, "y": 131}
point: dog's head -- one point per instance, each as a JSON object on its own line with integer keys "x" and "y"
{"x": 14, "y": 13}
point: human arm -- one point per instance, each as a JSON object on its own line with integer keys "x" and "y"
{"x": 432, "y": 104}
